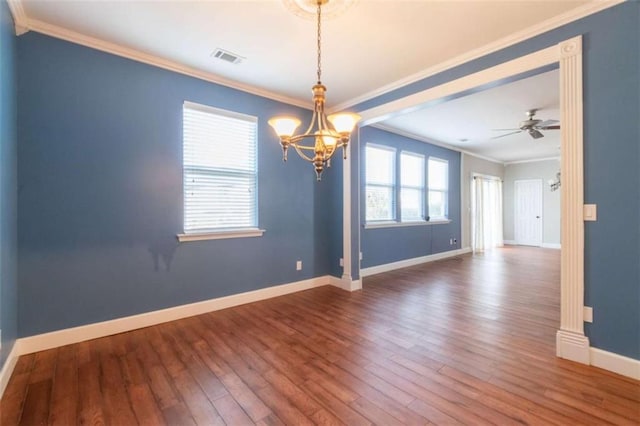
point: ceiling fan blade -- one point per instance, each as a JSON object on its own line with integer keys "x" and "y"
{"x": 506, "y": 134}
{"x": 550, "y": 128}
{"x": 535, "y": 134}
{"x": 547, "y": 123}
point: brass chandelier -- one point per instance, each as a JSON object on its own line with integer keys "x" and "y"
{"x": 324, "y": 134}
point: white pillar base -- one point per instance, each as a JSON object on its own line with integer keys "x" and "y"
{"x": 572, "y": 346}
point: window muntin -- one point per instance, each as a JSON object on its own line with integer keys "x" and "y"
{"x": 219, "y": 169}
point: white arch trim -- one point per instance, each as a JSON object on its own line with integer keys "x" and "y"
{"x": 571, "y": 343}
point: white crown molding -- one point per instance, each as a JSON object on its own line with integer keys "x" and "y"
{"x": 23, "y": 24}
{"x": 146, "y": 58}
{"x": 533, "y": 160}
{"x": 410, "y": 135}
{"x": 20, "y": 19}
{"x": 517, "y": 37}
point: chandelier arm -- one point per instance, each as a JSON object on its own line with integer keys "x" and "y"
{"x": 297, "y": 139}
{"x": 313, "y": 121}
{"x": 302, "y": 154}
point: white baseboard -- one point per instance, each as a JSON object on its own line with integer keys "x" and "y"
{"x": 372, "y": 270}
{"x": 552, "y": 245}
{"x": 617, "y": 363}
{"x": 346, "y": 283}
{"x": 68, "y": 336}
{"x": 9, "y": 365}
{"x": 544, "y": 245}
{"x": 572, "y": 346}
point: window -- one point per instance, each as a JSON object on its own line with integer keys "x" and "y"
{"x": 412, "y": 187}
{"x": 438, "y": 188}
{"x": 219, "y": 170}
{"x": 380, "y": 172}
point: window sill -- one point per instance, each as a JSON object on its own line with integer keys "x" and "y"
{"x": 221, "y": 235}
{"x": 376, "y": 225}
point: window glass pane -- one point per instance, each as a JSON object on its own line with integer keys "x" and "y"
{"x": 412, "y": 202}
{"x": 438, "y": 171}
{"x": 219, "y": 169}
{"x": 380, "y": 164}
{"x": 380, "y": 205}
{"x": 437, "y": 204}
{"x": 411, "y": 170}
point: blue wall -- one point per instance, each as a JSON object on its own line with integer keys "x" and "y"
{"x": 611, "y": 49}
{"x": 8, "y": 184}
{"x": 100, "y": 195}
{"x": 386, "y": 245}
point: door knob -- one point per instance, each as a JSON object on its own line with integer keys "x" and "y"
{"x": 537, "y": 217}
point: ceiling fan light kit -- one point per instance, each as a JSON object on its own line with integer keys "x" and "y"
{"x": 324, "y": 134}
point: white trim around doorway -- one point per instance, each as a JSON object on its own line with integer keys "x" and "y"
{"x": 571, "y": 340}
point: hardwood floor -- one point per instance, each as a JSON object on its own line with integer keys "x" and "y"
{"x": 468, "y": 340}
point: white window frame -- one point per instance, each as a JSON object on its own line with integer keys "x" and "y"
{"x": 444, "y": 191}
{"x": 393, "y": 186}
{"x": 421, "y": 188}
{"x": 221, "y": 233}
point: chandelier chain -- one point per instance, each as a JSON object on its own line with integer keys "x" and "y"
{"x": 319, "y": 39}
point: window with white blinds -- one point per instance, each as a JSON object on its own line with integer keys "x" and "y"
{"x": 380, "y": 177}
{"x": 412, "y": 183}
{"x": 438, "y": 188}
{"x": 219, "y": 170}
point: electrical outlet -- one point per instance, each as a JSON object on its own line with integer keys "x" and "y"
{"x": 450, "y": 241}
{"x": 299, "y": 265}
{"x": 360, "y": 255}
{"x": 455, "y": 241}
{"x": 341, "y": 262}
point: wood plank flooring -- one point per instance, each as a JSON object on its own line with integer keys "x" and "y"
{"x": 468, "y": 340}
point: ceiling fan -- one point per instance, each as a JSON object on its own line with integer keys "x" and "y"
{"x": 532, "y": 126}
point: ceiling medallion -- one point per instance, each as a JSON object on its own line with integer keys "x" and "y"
{"x": 307, "y": 8}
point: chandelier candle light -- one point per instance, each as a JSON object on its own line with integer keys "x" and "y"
{"x": 327, "y": 133}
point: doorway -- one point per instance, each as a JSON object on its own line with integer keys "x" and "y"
{"x": 571, "y": 342}
{"x": 528, "y": 212}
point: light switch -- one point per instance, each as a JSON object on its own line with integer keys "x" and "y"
{"x": 587, "y": 313}
{"x": 590, "y": 212}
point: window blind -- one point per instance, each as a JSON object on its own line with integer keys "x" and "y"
{"x": 380, "y": 179}
{"x": 438, "y": 188}
{"x": 412, "y": 181}
{"x": 219, "y": 169}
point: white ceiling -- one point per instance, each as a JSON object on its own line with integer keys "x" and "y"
{"x": 373, "y": 44}
{"x": 371, "y": 47}
{"x": 474, "y": 116}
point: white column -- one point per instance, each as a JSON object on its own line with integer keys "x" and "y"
{"x": 571, "y": 343}
{"x": 346, "y": 216}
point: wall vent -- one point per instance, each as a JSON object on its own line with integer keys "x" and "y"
{"x": 225, "y": 55}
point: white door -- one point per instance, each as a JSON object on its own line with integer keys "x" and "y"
{"x": 528, "y": 212}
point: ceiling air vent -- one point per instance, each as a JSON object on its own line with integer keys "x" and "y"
{"x": 225, "y": 55}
